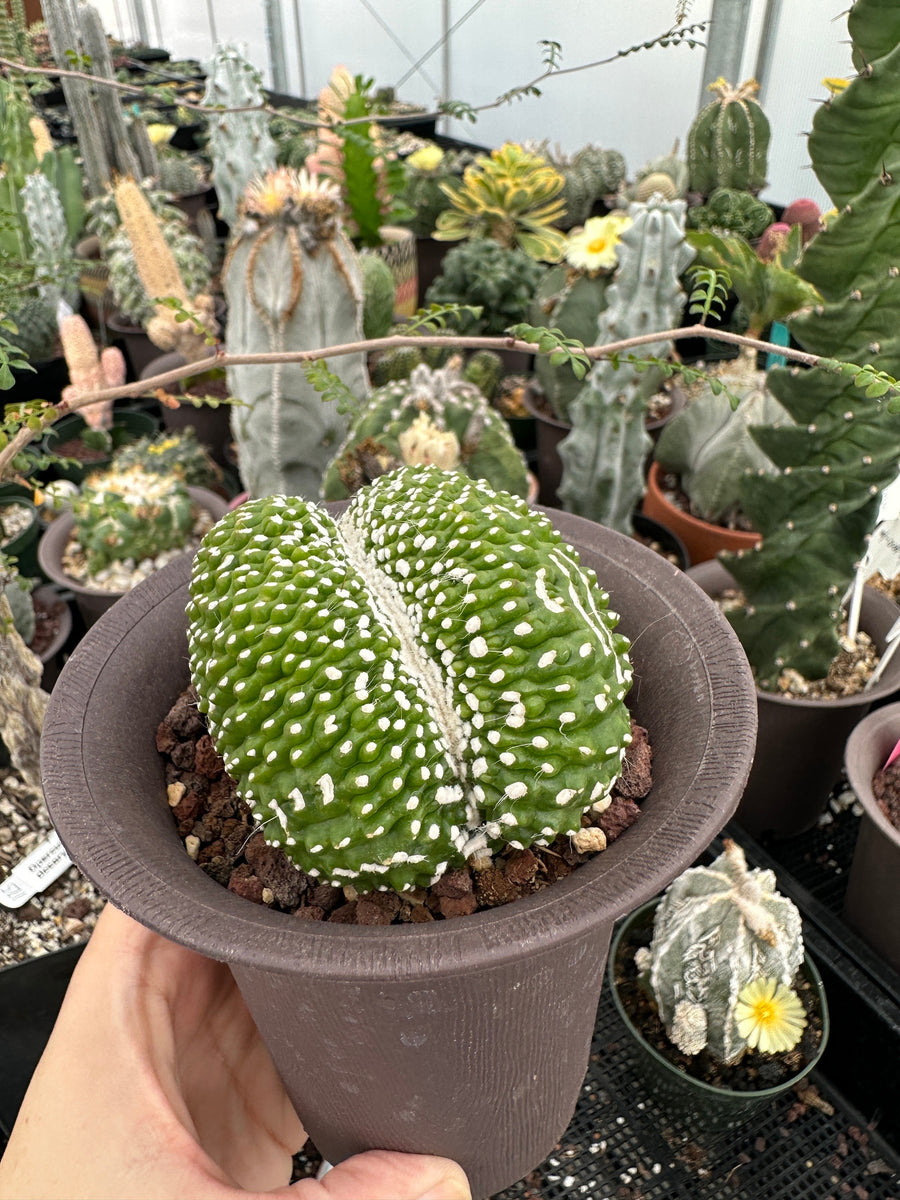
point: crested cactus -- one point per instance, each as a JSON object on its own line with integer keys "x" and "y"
{"x": 130, "y": 514}
{"x": 90, "y": 369}
{"x": 814, "y": 514}
{"x": 434, "y": 416}
{"x": 240, "y": 144}
{"x": 716, "y": 930}
{"x": 728, "y": 143}
{"x": 378, "y": 734}
{"x": 603, "y": 455}
{"x": 292, "y": 281}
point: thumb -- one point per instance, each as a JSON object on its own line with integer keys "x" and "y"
{"x": 387, "y": 1175}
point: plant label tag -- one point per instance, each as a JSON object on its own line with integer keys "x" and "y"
{"x": 35, "y": 872}
{"x": 893, "y": 754}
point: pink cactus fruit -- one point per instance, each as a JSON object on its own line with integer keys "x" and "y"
{"x": 805, "y": 213}
{"x": 773, "y": 241}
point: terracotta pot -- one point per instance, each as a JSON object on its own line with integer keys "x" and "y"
{"x": 467, "y": 1038}
{"x": 800, "y": 744}
{"x": 702, "y": 539}
{"x": 872, "y": 902}
{"x": 92, "y": 603}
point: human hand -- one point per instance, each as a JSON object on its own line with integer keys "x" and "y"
{"x": 156, "y": 1085}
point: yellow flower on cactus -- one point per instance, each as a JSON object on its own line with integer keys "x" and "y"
{"x": 160, "y": 135}
{"x": 594, "y": 247}
{"x": 835, "y": 85}
{"x": 426, "y": 158}
{"x": 770, "y": 1017}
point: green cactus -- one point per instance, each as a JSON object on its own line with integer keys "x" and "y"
{"x": 379, "y": 291}
{"x": 426, "y": 169}
{"x": 431, "y": 676}
{"x": 603, "y": 455}
{"x": 17, "y": 591}
{"x": 177, "y": 454}
{"x": 397, "y": 363}
{"x": 485, "y": 370}
{"x": 731, "y": 211}
{"x": 482, "y": 273}
{"x": 590, "y": 175}
{"x": 292, "y": 279}
{"x": 815, "y": 514}
{"x": 571, "y": 301}
{"x": 716, "y": 930}
{"x": 179, "y": 174}
{"x": 728, "y": 143}
{"x": 240, "y": 144}
{"x": 37, "y": 331}
{"x": 433, "y": 416}
{"x": 130, "y": 514}
{"x": 673, "y": 183}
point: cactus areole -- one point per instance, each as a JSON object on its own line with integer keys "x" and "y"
{"x": 427, "y": 677}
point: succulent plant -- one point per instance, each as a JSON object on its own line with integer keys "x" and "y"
{"x": 240, "y": 144}
{"x": 177, "y": 454}
{"x": 666, "y": 175}
{"x": 429, "y": 677}
{"x": 589, "y": 175}
{"x": 130, "y": 514}
{"x": 379, "y": 291}
{"x": 728, "y": 142}
{"x": 52, "y": 255}
{"x": 805, "y": 213}
{"x": 511, "y": 197}
{"x": 17, "y": 591}
{"x": 426, "y": 169}
{"x": 716, "y": 930}
{"x": 292, "y": 279}
{"x": 37, "y": 333}
{"x": 90, "y": 369}
{"x": 482, "y": 273}
{"x": 434, "y": 416}
{"x": 729, "y": 210}
{"x": 485, "y": 369}
{"x": 179, "y": 174}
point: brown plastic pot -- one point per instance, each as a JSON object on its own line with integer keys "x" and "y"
{"x": 800, "y": 744}
{"x": 703, "y": 539}
{"x": 467, "y": 1038}
{"x": 872, "y": 902}
{"x": 92, "y": 603}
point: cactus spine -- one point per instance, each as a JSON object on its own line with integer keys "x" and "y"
{"x": 717, "y": 929}
{"x": 90, "y": 370}
{"x": 603, "y": 456}
{"x": 728, "y": 143}
{"x": 239, "y": 142}
{"x": 292, "y": 281}
{"x": 52, "y": 255}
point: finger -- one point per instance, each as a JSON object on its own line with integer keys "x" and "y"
{"x": 386, "y": 1175}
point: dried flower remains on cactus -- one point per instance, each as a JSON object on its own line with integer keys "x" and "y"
{"x": 432, "y": 676}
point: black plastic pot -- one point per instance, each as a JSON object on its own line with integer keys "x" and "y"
{"x": 23, "y": 547}
{"x": 127, "y": 426}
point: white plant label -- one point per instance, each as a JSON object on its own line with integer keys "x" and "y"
{"x": 35, "y": 872}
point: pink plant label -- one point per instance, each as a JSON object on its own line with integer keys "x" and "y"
{"x": 893, "y": 754}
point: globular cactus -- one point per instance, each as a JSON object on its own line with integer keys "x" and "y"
{"x": 667, "y": 175}
{"x": 485, "y": 370}
{"x": 159, "y": 274}
{"x": 397, "y": 363}
{"x": 90, "y": 370}
{"x": 805, "y": 213}
{"x": 292, "y": 281}
{"x": 728, "y": 142}
{"x": 603, "y": 455}
{"x": 716, "y": 930}
{"x": 379, "y": 292}
{"x": 431, "y": 676}
{"x": 130, "y": 514}
{"x": 589, "y": 175}
{"x": 729, "y": 210}
{"x": 180, "y": 175}
{"x": 457, "y": 415}
{"x": 17, "y": 591}
{"x": 177, "y": 454}
{"x": 499, "y": 280}
{"x": 240, "y": 144}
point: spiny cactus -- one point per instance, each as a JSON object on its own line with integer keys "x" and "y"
{"x": 666, "y": 174}
{"x": 292, "y": 281}
{"x": 379, "y": 291}
{"x": 52, "y": 254}
{"x": 603, "y": 456}
{"x": 499, "y": 280}
{"x": 177, "y": 454}
{"x": 731, "y": 211}
{"x": 460, "y": 431}
{"x": 485, "y": 370}
{"x": 130, "y": 514}
{"x": 37, "y": 333}
{"x": 430, "y": 676}
{"x": 90, "y": 369}
{"x": 814, "y": 514}
{"x": 589, "y": 175}
{"x": 180, "y": 175}
{"x": 728, "y": 143}
{"x": 716, "y": 930}
{"x": 240, "y": 144}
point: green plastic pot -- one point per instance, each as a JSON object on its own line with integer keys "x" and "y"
{"x": 695, "y": 1103}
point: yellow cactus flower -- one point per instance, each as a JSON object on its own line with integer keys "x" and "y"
{"x": 769, "y": 1016}
{"x": 594, "y": 247}
{"x": 835, "y": 85}
{"x": 426, "y": 158}
{"x": 160, "y": 135}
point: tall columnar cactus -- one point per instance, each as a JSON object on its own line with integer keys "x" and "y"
{"x": 603, "y": 456}
{"x": 434, "y": 416}
{"x": 161, "y": 279}
{"x": 239, "y": 142}
{"x": 716, "y": 930}
{"x": 431, "y": 676}
{"x": 728, "y": 143}
{"x": 130, "y": 514}
{"x": 292, "y": 281}
{"x": 52, "y": 254}
{"x": 90, "y": 369}
{"x": 815, "y": 513}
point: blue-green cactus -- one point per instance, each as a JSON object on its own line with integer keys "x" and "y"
{"x": 429, "y": 676}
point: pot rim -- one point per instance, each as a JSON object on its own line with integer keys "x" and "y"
{"x": 225, "y": 926}
{"x": 710, "y": 1089}
{"x": 738, "y": 538}
{"x": 880, "y": 729}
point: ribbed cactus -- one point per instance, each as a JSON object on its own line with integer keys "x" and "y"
{"x": 498, "y": 279}
{"x": 589, "y": 175}
{"x": 728, "y": 143}
{"x": 432, "y": 675}
{"x": 239, "y": 142}
{"x": 37, "y": 333}
{"x": 180, "y": 175}
{"x": 159, "y": 274}
{"x": 666, "y": 174}
{"x": 379, "y": 291}
{"x": 130, "y": 514}
{"x": 485, "y": 370}
{"x": 814, "y": 515}
{"x": 716, "y": 930}
{"x": 434, "y": 416}
{"x": 729, "y": 210}
{"x": 90, "y": 369}
{"x": 292, "y": 281}
{"x": 52, "y": 254}
{"x": 603, "y": 456}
